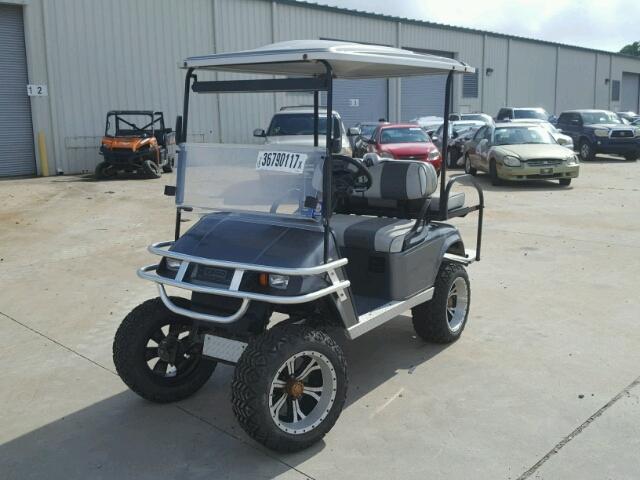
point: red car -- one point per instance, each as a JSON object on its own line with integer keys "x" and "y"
{"x": 404, "y": 141}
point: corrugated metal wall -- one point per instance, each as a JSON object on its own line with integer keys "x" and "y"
{"x": 122, "y": 54}
{"x": 119, "y": 55}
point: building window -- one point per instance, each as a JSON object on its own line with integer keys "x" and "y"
{"x": 470, "y": 85}
{"x": 615, "y": 91}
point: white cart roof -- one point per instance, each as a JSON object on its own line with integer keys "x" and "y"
{"x": 348, "y": 60}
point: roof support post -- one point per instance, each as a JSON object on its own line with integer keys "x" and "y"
{"x": 445, "y": 142}
{"x": 327, "y": 169}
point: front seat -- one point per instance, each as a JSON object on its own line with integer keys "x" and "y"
{"x": 398, "y": 191}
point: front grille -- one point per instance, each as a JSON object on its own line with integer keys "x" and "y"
{"x": 543, "y": 162}
{"x": 412, "y": 157}
{"x": 208, "y": 275}
{"x": 622, "y": 134}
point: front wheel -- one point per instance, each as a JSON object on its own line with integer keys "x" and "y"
{"x": 443, "y": 318}
{"x": 151, "y": 169}
{"x": 493, "y": 173}
{"x": 156, "y": 355}
{"x": 467, "y": 166}
{"x": 289, "y": 387}
{"x": 104, "y": 170}
{"x": 586, "y": 151}
{"x": 565, "y": 182}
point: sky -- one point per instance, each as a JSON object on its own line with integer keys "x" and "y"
{"x": 600, "y": 24}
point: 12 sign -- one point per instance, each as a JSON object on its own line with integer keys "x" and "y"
{"x": 37, "y": 90}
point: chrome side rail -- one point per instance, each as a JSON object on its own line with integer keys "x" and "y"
{"x": 375, "y": 318}
{"x": 201, "y": 316}
{"x": 161, "y": 249}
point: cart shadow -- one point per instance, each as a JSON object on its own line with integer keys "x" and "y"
{"x": 126, "y": 437}
{"x": 529, "y": 185}
{"x": 90, "y": 178}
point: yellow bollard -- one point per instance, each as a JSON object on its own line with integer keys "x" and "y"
{"x": 44, "y": 161}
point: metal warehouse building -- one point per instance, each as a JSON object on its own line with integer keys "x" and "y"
{"x": 85, "y": 57}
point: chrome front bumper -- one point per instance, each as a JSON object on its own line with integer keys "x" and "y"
{"x": 162, "y": 249}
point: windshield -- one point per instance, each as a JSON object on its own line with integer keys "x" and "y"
{"x": 404, "y": 135}
{"x": 474, "y": 116}
{"x": 531, "y": 113}
{"x": 367, "y": 130}
{"x": 522, "y": 135}
{"x": 128, "y": 125}
{"x": 268, "y": 179}
{"x": 591, "y": 118}
{"x": 299, "y": 124}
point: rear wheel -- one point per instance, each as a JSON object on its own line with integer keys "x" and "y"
{"x": 156, "y": 356}
{"x": 150, "y": 169}
{"x": 167, "y": 168}
{"x": 289, "y": 387}
{"x": 565, "y": 182}
{"x": 443, "y": 318}
{"x": 105, "y": 170}
{"x": 467, "y": 165}
{"x": 587, "y": 151}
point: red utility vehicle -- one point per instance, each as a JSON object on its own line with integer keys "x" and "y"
{"x": 404, "y": 141}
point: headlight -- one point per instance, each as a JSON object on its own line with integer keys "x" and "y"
{"x": 278, "y": 281}
{"x": 637, "y": 132}
{"x": 172, "y": 263}
{"x": 601, "y": 133}
{"x": 510, "y": 161}
{"x": 433, "y": 154}
{"x": 386, "y": 155}
{"x": 572, "y": 160}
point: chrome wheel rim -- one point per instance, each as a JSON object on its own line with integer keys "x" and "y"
{"x": 457, "y": 304}
{"x": 302, "y": 392}
{"x": 584, "y": 150}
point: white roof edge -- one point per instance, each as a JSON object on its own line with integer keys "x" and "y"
{"x": 348, "y": 60}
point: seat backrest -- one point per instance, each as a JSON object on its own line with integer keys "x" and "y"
{"x": 399, "y": 189}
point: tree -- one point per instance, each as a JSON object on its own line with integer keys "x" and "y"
{"x": 631, "y": 49}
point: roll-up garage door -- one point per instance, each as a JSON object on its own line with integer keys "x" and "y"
{"x": 16, "y": 136}
{"x": 630, "y": 92}
{"x": 360, "y": 100}
{"x": 423, "y": 96}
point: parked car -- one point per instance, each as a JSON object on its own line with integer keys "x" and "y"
{"x": 359, "y": 134}
{"x": 429, "y": 124}
{"x": 294, "y": 126}
{"x": 456, "y": 131}
{"x": 512, "y": 113}
{"x": 629, "y": 116}
{"x": 519, "y": 151}
{"x": 404, "y": 141}
{"x": 561, "y": 138}
{"x": 482, "y": 117}
{"x": 600, "y": 131}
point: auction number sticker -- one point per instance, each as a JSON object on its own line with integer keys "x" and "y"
{"x": 286, "y": 162}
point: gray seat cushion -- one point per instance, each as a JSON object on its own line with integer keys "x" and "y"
{"x": 384, "y": 235}
{"x": 456, "y": 200}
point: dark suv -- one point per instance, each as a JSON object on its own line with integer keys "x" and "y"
{"x": 600, "y": 131}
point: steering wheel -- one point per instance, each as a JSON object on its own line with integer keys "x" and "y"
{"x": 347, "y": 180}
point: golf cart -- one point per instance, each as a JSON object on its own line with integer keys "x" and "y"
{"x": 336, "y": 245}
{"x": 136, "y": 141}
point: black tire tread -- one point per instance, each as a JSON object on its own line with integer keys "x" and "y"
{"x": 246, "y": 392}
{"x": 124, "y": 356}
{"x": 429, "y": 318}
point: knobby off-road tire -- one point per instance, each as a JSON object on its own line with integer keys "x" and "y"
{"x": 105, "y": 170}
{"x": 150, "y": 169}
{"x": 267, "y": 389}
{"x": 443, "y": 318}
{"x": 135, "y": 356}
